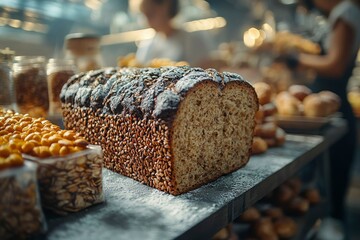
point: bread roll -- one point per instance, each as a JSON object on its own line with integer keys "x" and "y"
{"x": 259, "y": 146}
{"x": 263, "y": 91}
{"x": 251, "y": 214}
{"x": 259, "y": 116}
{"x": 280, "y": 136}
{"x": 273, "y": 213}
{"x": 298, "y": 206}
{"x": 312, "y": 195}
{"x": 283, "y": 195}
{"x": 287, "y": 105}
{"x": 285, "y": 227}
{"x": 172, "y": 128}
{"x": 267, "y": 130}
{"x": 314, "y": 106}
{"x": 295, "y": 184}
{"x": 264, "y": 229}
{"x": 299, "y": 91}
{"x": 331, "y": 100}
{"x": 269, "y": 109}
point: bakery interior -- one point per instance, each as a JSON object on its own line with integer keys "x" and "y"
{"x": 71, "y": 159}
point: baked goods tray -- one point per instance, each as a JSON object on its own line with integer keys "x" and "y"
{"x": 302, "y": 124}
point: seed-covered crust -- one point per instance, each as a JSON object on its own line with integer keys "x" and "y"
{"x": 134, "y": 115}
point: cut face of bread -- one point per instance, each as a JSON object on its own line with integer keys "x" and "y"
{"x": 212, "y": 133}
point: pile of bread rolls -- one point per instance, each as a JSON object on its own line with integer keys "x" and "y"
{"x": 274, "y": 218}
{"x": 299, "y": 100}
{"x": 267, "y": 133}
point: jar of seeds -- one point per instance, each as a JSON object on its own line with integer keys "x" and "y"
{"x": 30, "y": 85}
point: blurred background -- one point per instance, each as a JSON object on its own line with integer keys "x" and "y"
{"x": 38, "y": 27}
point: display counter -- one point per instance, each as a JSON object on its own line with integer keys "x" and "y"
{"x": 135, "y": 211}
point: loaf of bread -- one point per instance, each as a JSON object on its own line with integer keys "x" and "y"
{"x": 172, "y": 128}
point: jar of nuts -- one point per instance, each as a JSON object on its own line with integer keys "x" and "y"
{"x": 58, "y": 73}
{"x": 30, "y": 85}
{"x": 6, "y": 60}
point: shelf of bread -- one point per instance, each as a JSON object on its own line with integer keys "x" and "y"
{"x": 289, "y": 212}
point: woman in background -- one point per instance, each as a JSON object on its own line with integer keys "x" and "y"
{"x": 334, "y": 68}
{"x": 170, "y": 42}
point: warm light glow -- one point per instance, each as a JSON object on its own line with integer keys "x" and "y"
{"x": 254, "y": 33}
{"x": 205, "y": 24}
{"x": 269, "y": 31}
{"x": 254, "y": 37}
{"x": 131, "y": 36}
{"x": 249, "y": 41}
{"x": 28, "y": 26}
{"x": 15, "y": 23}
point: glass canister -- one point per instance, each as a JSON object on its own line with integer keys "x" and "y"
{"x": 58, "y": 73}
{"x": 84, "y": 49}
{"x": 30, "y": 85}
{"x": 6, "y": 61}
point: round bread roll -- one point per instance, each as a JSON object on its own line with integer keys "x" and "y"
{"x": 259, "y": 146}
{"x": 280, "y": 136}
{"x": 268, "y": 130}
{"x": 295, "y": 184}
{"x": 269, "y": 109}
{"x": 257, "y": 130}
{"x": 269, "y": 119}
{"x": 299, "y": 91}
{"x": 264, "y": 229}
{"x": 283, "y": 195}
{"x": 273, "y": 213}
{"x": 287, "y": 105}
{"x": 251, "y": 214}
{"x": 259, "y": 116}
{"x": 263, "y": 91}
{"x": 332, "y": 101}
{"x": 314, "y": 106}
{"x": 312, "y": 195}
{"x": 298, "y": 206}
{"x": 285, "y": 227}
{"x": 271, "y": 142}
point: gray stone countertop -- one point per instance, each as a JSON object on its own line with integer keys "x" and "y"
{"x": 135, "y": 211}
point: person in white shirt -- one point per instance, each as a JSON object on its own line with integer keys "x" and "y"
{"x": 169, "y": 41}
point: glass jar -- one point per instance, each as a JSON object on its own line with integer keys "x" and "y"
{"x": 84, "y": 49}
{"x": 58, "y": 73}
{"x": 6, "y": 61}
{"x": 30, "y": 85}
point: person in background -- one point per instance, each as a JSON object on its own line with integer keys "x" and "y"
{"x": 334, "y": 68}
{"x": 170, "y": 42}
